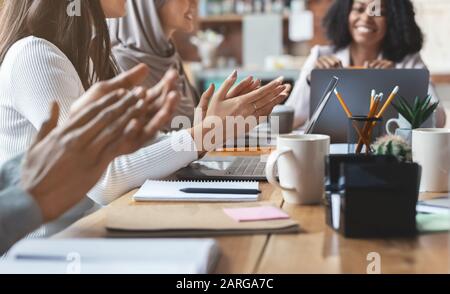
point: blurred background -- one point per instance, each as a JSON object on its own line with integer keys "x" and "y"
{"x": 269, "y": 38}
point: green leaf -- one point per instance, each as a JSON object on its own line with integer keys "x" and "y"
{"x": 417, "y": 113}
{"x": 406, "y": 112}
{"x": 426, "y": 103}
{"x": 417, "y": 104}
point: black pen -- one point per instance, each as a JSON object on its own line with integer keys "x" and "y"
{"x": 220, "y": 191}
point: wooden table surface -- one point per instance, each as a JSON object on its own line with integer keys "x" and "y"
{"x": 316, "y": 249}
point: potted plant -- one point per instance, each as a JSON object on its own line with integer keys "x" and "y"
{"x": 416, "y": 114}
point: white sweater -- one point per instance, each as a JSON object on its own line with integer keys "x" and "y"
{"x": 35, "y": 73}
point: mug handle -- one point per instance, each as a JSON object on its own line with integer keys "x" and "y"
{"x": 270, "y": 166}
{"x": 388, "y": 126}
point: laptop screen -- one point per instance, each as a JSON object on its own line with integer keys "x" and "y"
{"x": 326, "y": 97}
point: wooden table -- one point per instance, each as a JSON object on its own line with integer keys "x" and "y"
{"x": 317, "y": 249}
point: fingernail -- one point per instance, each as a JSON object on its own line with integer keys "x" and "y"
{"x": 280, "y": 79}
{"x": 138, "y": 92}
{"x": 140, "y": 104}
{"x": 121, "y": 92}
{"x": 234, "y": 74}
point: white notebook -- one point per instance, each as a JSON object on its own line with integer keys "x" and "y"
{"x": 436, "y": 206}
{"x": 170, "y": 191}
{"x": 108, "y": 256}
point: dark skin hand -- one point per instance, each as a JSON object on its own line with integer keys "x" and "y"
{"x": 328, "y": 62}
{"x": 65, "y": 162}
{"x": 379, "y": 64}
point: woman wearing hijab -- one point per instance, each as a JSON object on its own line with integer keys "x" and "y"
{"x": 145, "y": 36}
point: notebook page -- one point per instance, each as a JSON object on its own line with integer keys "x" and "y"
{"x": 170, "y": 191}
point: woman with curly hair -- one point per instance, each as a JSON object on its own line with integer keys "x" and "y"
{"x": 387, "y": 37}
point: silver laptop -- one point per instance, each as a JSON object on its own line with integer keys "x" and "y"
{"x": 245, "y": 167}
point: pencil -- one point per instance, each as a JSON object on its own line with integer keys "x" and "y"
{"x": 349, "y": 115}
{"x": 388, "y": 102}
{"x": 369, "y": 125}
{"x": 344, "y": 106}
{"x": 372, "y": 99}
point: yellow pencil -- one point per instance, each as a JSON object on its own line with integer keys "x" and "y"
{"x": 388, "y": 102}
{"x": 372, "y": 98}
{"x": 349, "y": 115}
{"x": 344, "y": 106}
{"x": 367, "y": 125}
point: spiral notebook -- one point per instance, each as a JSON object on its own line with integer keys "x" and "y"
{"x": 170, "y": 191}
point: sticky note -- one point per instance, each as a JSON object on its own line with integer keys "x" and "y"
{"x": 260, "y": 213}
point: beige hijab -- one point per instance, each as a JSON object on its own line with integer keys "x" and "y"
{"x": 139, "y": 38}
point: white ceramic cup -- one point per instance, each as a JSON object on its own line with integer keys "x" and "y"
{"x": 301, "y": 167}
{"x": 401, "y": 123}
{"x": 431, "y": 149}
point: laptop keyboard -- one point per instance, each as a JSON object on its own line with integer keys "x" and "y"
{"x": 247, "y": 167}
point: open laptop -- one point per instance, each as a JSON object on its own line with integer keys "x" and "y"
{"x": 355, "y": 85}
{"x": 245, "y": 167}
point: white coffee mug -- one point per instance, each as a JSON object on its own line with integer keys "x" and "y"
{"x": 431, "y": 149}
{"x": 301, "y": 167}
{"x": 401, "y": 123}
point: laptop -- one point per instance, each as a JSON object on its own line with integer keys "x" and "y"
{"x": 246, "y": 168}
{"x": 355, "y": 86}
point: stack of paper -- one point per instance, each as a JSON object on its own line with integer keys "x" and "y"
{"x": 102, "y": 256}
{"x": 437, "y": 205}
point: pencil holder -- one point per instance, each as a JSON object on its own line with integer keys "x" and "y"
{"x": 362, "y": 131}
{"x": 371, "y": 196}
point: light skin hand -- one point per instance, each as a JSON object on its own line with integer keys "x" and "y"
{"x": 258, "y": 103}
{"x": 246, "y": 86}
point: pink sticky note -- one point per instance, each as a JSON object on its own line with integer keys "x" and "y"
{"x": 259, "y": 213}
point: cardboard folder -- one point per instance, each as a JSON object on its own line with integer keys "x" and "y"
{"x": 188, "y": 220}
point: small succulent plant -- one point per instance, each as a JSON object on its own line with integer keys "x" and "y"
{"x": 417, "y": 113}
{"x": 393, "y": 145}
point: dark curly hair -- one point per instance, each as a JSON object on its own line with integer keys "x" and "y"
{"x": 403, "y": 36}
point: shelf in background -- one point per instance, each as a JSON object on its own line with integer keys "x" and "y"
{"x": 441, "y": 78}
{"x": 226, "y": 18}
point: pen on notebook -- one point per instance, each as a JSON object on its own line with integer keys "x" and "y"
{"x": 220, "y": 191}
{"x": 37, "y": 257}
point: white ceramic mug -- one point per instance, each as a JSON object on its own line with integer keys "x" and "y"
{"x": 301, "y": 167}
{"x": 431, "y": 149}
{"x": 401, "y": 123}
